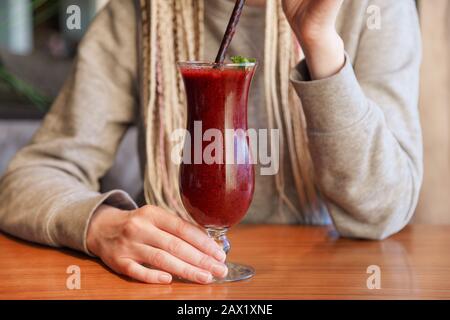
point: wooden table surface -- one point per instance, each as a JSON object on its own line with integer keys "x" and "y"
{"x": 291, "y": 262}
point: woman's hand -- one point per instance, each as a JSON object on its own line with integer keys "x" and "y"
{"x": 313, "y": 22}
{"x": 128, "y": 240}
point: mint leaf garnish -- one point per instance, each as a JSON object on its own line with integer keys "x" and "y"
{"x": 242, "y": 60}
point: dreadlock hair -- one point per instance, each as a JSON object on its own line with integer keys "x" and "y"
{"x": 173, "y": 31}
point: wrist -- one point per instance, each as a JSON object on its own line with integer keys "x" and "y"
{"x": 324, "y": 53}
{"x": 103, "y": 221}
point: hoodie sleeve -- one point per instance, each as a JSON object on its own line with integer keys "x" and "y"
{"x": 364, "y": 129}
{"x": 51, "y": 187}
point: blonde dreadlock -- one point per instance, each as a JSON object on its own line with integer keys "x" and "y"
{"x": 175, "y": 33}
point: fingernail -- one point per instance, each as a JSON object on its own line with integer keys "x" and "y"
{"x": 220, "y": 270}
{"x": 204, "y": 277}
{"x": 165, "y": 278}
{"x": 220, "y": 255}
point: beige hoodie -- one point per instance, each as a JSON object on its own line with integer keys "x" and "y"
{"x": 363, "y": 127}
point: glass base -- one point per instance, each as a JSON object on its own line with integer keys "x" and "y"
{"x": 236, "y": 272}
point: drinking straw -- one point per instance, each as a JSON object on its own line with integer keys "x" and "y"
{"x": 231, "y": 29}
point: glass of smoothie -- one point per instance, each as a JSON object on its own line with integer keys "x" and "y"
{"x": 217, "y": 192}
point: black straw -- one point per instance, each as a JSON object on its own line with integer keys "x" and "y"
{"x": 231, "y": 29}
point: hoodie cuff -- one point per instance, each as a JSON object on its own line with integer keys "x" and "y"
{"x": 69, "y": 225}
{"x": 330, "y": 104}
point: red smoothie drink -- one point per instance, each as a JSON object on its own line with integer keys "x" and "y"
{"x": 217, "y": 195}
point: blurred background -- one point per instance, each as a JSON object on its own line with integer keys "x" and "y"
{"x": 36, "y": 53}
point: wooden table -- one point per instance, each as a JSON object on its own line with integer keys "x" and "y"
{"x": 291, "y": 262}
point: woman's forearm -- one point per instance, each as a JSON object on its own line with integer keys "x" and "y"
{"x": 363, "y": 126}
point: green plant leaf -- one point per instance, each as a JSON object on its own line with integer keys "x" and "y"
{"x": 24, "y": 89}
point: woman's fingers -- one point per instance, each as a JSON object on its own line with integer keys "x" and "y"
{"x": 126, "y": 241}
{"x": 188, "y": 232}
{"x": 162, "y": 260}
{"x": 136, "y": 271}
{"x": 186, "y": 252}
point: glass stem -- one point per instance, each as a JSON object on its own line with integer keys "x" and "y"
{"x": 220, "y": 236}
